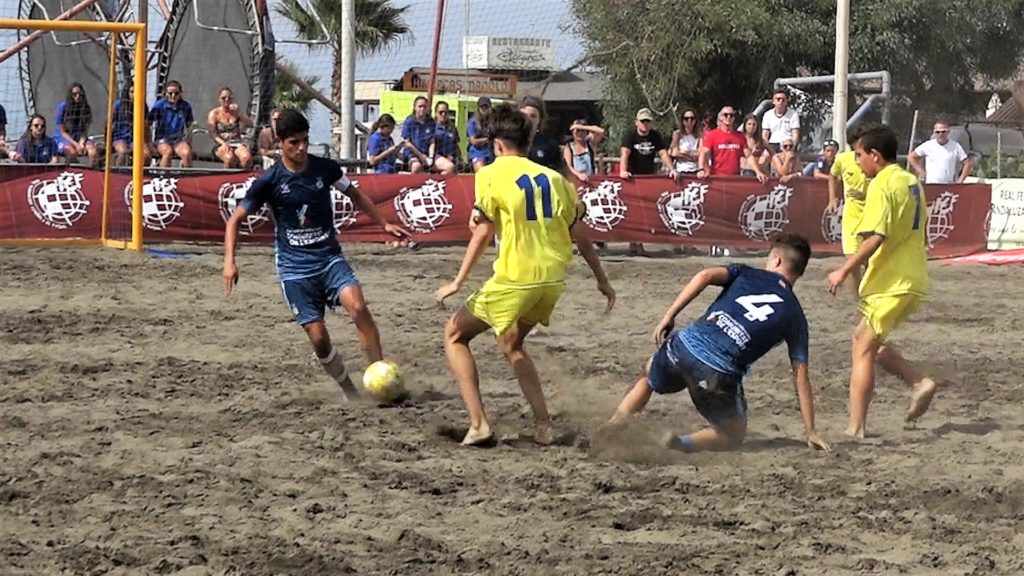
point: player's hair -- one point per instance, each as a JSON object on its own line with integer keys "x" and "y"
{"x": 795, "y": 250}
{"x": 537, "y": 103}
{"x": 882, "y": 139}
{"x": 782, "y": 91}
{"x": 290, "y": 123}
{"x": 854, "y": 134}
{"x": 506, "y": 122}
{"x": 384, "y": 120}
{"x": 175, "y": 84}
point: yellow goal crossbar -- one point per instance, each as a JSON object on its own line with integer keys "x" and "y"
{"x": 138, "y": 102}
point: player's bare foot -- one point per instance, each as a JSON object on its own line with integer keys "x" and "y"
{"x": 478, "y": 436}
{"x": 921, "y": 398}
{"x": 855, "y": 432}
{"x": 542, "y": 434}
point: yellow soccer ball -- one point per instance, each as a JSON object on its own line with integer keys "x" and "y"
{"x": 383, "y": 381}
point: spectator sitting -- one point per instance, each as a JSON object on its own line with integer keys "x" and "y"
{"x": 685, "y": 146}
{"x": 786, "y": 164}
{"x": 270, "y": 146}
{"x": 759, "y": 152}
{"x": 123, "y": 128}
{"x": 445, "y": 148}
{"x": 73, "y": 118}
{"x": 823, "y": 165}
{"x": 481, "y": 150}
{"x": 35, "y": 146}
{"x": 940, "y": 157}
{"x": 578, "y": 153}
{"x": 225, "y": 123}
{"x": 418, "y": 129}
{"x": 381, "y": 150}
{"x": 544, "y": 150}
{"x": 780, "y": 122}
{"x": 172, "y": 119}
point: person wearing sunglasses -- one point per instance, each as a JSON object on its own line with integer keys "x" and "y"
{"x": 786, "y": 164}
{"x": 444, "y": 149}
{"x": 780, "y": 122}
{"x": 227, "y": 124}
{"x": 722, "y": 148}
{"x": 35, "y": 146}
{"x": 823, "y": 165}
{"x": 172, "y": 121}
{"x": 73, "y": 118}
{"x": 685, "y": 146}
{"x": 940, "y": 156}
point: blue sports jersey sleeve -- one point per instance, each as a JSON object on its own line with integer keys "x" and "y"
{"x": 154, "y": 113}
{"x": 189, "y": 119}
{"x": 407, "y": 128}
{"x": 259, "y": 192}
{"x": 799, "y": 338}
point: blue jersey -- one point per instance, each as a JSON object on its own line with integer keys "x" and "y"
{"x": 41, "y": 152}
{"x": 306, "y": 242}
{"x": 754, "y": 313}
{"x": 376, "y": 144}
{"x": 420, "y": 133}
{"x": 446, "y": 140}
{"x": 76, "y": 130}
{"x": 484, "y": 151}
{"x": 122, "y": 124}
{"x": 171, "y": 121}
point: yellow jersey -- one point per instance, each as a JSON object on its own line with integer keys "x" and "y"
{"x": 533, "y": 209}
{"x": 896, "y": 209}
{"x": 855, "y": 182}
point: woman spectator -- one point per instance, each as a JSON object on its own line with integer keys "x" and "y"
{"x": 759, "y": 151}
{"x": 685, "y": 146}
{"x": 444, "y": 150}
{"x": 34, "y": 146}
{"x": 73, "y": 118}
{"x": 225, "y": 124}
{"x": 543, "y": 149}
{"x": 578, "y": 154}
{"x": 381, "y": 150}
{"x": 418, "y": 129}
{"x": 480, "y": 152}
{"x": 123, "y": 128}
{"x": 786, "y": 164}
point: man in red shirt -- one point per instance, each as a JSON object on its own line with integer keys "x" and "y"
{"x": 724, "y": 147}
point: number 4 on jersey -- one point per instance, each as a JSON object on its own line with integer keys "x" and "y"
{"x": 755, "y": 311}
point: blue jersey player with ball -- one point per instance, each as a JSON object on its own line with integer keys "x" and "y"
{"x": 755, "y": 311}
{"x": 313, "y": 271}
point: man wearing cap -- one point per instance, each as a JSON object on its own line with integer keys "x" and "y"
{"x": 481, "y": 153}
{"x": 823, "y": 165}
{"x": 636, "y": 156}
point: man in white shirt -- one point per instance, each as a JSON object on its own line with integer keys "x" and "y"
{"x": 940, "y": 157}
{"x": 780, "y": 123}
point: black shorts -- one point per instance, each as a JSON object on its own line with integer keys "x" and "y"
{"x": 718, "y": 396}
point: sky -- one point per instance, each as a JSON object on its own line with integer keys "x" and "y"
{"x": 529, "y": 18}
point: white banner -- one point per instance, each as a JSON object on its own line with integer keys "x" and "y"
{"x": 1006, "y": 228}
{"x": 504, "y": 53}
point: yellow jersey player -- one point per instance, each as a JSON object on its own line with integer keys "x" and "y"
{"x": 847, "y": 172}
{"x": 893, "y": 245}
{"x": 535, "y": 212}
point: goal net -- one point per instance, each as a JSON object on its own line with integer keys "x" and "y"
{"x": 72, "y": 156}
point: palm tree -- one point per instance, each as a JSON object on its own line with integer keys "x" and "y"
{"x": 379, "y": 25}
{"x": 288, "y": 94}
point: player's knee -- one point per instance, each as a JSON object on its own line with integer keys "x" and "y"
{"x": 359, "y": 312}
{"x": 511, "y": 347}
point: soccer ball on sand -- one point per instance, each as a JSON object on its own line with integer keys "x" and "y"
{"x": 383, "y": 381}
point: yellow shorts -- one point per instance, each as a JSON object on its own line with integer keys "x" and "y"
{"x": 853, "y": 212}
{"x": 884, "y": 312}
{"x": 501, "y": 306}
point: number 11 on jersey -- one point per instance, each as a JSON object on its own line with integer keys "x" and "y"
{"x": 527, "y": 186}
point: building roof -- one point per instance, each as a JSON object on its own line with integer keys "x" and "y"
{"x": 1012, "y": 111}
{"x": 567, "y": 87}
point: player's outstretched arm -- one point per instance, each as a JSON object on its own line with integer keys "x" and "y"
{"x": 867, "y": 248}
{"x": 717, "y": 276}
{"x": 477, "y": 244}
{"x": 833, "y": 192}
{"x": 363, "y": 202}
{"x": 803, "y": 391}
{"x": 586, "y": 248}
{"x": 230, "y": 243}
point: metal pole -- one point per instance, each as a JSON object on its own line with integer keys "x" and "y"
{"x": 438, "y": 24}
{"x": 913, "y": 137}
{"x": 348, "y": 68}
{"x": 999, "y": 154}
{"x": 40, "y": 33}
{"x": 842, "y": 65}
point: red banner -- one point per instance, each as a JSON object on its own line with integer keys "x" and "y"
{"x": 48, "y": 202}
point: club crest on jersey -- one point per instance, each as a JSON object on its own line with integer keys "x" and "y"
{"x": 319, "y": 183}
{"x": 285, "y": 190}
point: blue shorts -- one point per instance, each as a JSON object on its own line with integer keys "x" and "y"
{"x": 718, "y": 396}
{"x": 308, "y": 297}
{"x": 62, "y": 143}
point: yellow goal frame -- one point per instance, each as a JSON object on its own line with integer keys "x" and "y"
{"x": 138, "y": 129}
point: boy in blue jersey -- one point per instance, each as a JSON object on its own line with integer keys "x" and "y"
{"x": 755, "y": 311}
{"x": 310, "y": 263}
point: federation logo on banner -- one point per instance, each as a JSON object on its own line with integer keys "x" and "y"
{"x": 423, "y": 209}
{"x": 230, "y": 194}
{"x": 940, "y": 217}
{"x": 345, "y": 211}
{"x": 832, "y": 224}
{"x": 605, "y": 209}
{"x": 58, "y": 202}
{"x": 161, "y": 204}
{"x": 682, "y": 211}
{"x": 762, "y": 216}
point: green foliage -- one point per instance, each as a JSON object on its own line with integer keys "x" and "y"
{"x": 379, "y": 24}
{"x": 666, "y": 54}
{"x": 1005, "y": 166}
{"x": 289, "y": 95}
